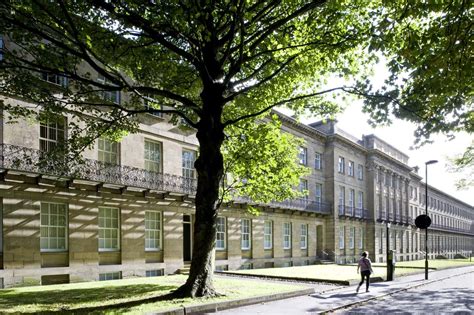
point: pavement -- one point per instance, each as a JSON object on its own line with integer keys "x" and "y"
{"x": 338, "y": 299}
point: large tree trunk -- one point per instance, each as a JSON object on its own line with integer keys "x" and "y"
{"x": 209, "y": 167}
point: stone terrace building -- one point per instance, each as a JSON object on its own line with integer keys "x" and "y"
{"x": 128, "y": 211}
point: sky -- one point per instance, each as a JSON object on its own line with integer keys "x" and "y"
{"x": 400, "y": 135}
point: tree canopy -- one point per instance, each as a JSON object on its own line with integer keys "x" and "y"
{"x": 220, "y": 65}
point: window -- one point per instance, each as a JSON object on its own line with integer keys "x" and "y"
{"x": 152, "y": 105}
{"x": 110, "y": 276}
{"x": 108, "y": 151}
{"x": 350, "y": 169}
{"x": 245, "y": 225}
{"x": 360, "y": 201}
{"x": 52, "y": 133}
{"x": 188, "y": 159}
{"x": 154, "y": 273}
{"x": 286, "y": 235}
{"x": 304, "y": 188}
{"x": 340, "y": 165}
{"x": 303, "y": 156}
{"x": 360, "y": 172}
{"x": 108, "y": 229}
{"x": 1, "y": 47}
{"x": 220, "y": 233}
{"x": 109, "y": 96}
{"x": 342, "y": 192}
{"x": 361, "y": 238}
{"x": 153, "y": 156}
{"x": 351, "y": 237}
{"x": 352, "y": 199}
{"x": 317, "y": 161}
{"x": 341, "y": 237}
{"x": 304, "y": 236}
{"x": 53, "y": 227}
{"x": 319, "y": 193}
{"x": 268, "y": 235}
{"x": 55, "y": 79}
{"x": 152, "y": 230}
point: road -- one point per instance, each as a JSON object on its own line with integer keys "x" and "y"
{"x": 446, "y": 291}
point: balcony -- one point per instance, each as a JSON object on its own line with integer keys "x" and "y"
{"x": 17, "y": 161}
{"x": 440, "y": 227}
{"x": 300, "y": 204}
{"x": 352, "y": 212}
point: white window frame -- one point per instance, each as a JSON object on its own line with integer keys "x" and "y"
{"x": 188, "y": 157}
{"x": 221, "y": 233}
{"x": 51, "y": 227}
{"x": 106, "y": 224}
{"x": 150, "y": 99}
{"x": 341, "y": 237}
{"x": 55, "y": 79}
{"x": 352, "y": 199}
{"x": 360, "y": 201}
{"x": 267, "y": 234}
{"x": 318, "y": 163}
{"x": 107, "y": 276}
{"x": 318, "y": 193}
{"x": 350, "y": 168}
{"x": 107, "y": 150}
{"x": 351, "y": 237}
{"x": 341, "y": 165}
{"x": 246, "y": 234}
{"x": 304, "y": 187}
{"x": 304, "y": 236}
{"x": 153, "y": 230}
{"x": 287, "y": 235}
{"x": 360, "y": 172}
{"x": 51, "y": 134}
{"x": 303, "y": 155}
{"x": 153, "y": 158}
{"x": 109, "y": 96}
{"x": 342, "y": 197}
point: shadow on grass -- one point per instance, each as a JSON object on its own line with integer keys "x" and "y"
{"x": 65, "y": 300}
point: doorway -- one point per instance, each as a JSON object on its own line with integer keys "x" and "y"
{"x": 187, "y": 238}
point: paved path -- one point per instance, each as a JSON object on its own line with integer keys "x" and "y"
{"x": 453, "y": 295}
{"x": 346, "y": 297}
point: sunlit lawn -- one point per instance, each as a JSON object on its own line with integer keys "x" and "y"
{"x": 435, "y": 263}
{"x": 320, "y": 272}
{"x": 349, "y": 272}
{"x": 95, "y": 294}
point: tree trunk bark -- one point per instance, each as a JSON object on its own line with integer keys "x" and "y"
{"x": 210, "y": 169}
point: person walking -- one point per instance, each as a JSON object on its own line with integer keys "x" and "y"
{"x": 365, "y": 266}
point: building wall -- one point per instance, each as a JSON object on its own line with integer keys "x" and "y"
{"x": 21, "y": 194}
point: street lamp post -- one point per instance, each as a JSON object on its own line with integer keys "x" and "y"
{"x": 426, "y": 213}
{"x": 389, "y": 268}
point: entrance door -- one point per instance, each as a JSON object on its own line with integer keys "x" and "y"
{"x": 319, "y": 242}
{"x": 187, "y": 234}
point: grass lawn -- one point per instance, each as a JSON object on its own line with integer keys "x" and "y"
{"x": 94, "y": 294}
{"x": 321, "y": 272}
{"x": 435, "y": 264}
{"x": 348, "y": 272}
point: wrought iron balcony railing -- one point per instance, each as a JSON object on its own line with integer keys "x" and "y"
{"x": 353, "y": 212}
{"x": 294, "y": 204}
{"x": 22, "y": 159}
{"x": 440, "y": 227}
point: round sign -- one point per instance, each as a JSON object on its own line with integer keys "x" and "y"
{"x": 423, "y": 221}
